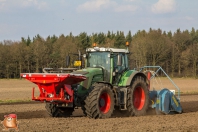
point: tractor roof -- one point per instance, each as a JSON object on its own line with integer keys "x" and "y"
{"x": 102, "y": 49}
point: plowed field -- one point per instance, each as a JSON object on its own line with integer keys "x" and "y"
{"x": 33, "y": 117}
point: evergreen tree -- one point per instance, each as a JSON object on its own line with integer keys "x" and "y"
{"x": 120, "y": 40}
{"x": 129, "y": 37}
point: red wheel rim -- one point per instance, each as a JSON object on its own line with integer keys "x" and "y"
{"x": 104, "y": 102}
{"x": 139, "y": 98}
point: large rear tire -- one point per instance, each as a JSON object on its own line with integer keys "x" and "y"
{"x": 138, "y": 97}
{"x": 100, "y": 101}
{"x": 55, "y": 111}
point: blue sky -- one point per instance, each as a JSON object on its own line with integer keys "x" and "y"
{"x": 23, "y": 18}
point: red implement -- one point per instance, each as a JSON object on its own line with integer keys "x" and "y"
{"x": 54, "y": 87}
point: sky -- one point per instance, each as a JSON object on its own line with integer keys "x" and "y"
{"x": 23, "y": 18}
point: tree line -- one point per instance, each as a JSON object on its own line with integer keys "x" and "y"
{"x": 176, "y": 53}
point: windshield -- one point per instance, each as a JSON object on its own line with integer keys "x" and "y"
{"x": 100, "y": 59}
{"x": 96, "y": 59}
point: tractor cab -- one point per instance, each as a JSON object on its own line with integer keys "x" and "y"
{"x": 113, "y": 62}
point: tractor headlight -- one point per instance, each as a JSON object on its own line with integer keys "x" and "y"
{"x": 51, "y": 95}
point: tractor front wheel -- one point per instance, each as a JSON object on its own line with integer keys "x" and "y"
{"x": 100, "y": 101}
{"x": 138, "y": 97}
{"x": 55, "y": 111}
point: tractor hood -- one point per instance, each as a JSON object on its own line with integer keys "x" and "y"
{"x": 92, "y": 71}
{"x": 92, "y": 75}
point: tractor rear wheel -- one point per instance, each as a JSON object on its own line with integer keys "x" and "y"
{"x": 100, "y": 101}
{"x": 138, "y": 97}
{"x": 55, "y": 111}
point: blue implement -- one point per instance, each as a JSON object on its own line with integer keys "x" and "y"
{"x": 164, "y": 101}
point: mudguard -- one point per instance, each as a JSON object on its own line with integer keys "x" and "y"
{"x": 127, "y": 77}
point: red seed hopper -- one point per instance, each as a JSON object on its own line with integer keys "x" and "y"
{"x": 54, "y": 87}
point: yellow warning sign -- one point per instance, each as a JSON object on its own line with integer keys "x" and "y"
{"x": 77, "y": 63}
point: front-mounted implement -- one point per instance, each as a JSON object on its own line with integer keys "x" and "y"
{"x": 54, "y": 87}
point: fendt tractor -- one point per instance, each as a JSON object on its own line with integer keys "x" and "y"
{"x": 104, "y": 84}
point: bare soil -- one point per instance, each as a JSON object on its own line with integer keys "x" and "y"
{"x": 32, "y": 116}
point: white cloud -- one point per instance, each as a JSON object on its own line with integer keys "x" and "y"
{"x": 98, "y": 5}
{"x": 123, "y": 8}
{"x": 95, "y": 5}
{"x": 37, "y": 3}
{"x": 8, "y": 5}
{"x": 164, "y": 6}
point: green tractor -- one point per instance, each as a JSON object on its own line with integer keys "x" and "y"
{"x": 110, "y": 84}
{"x": 105, "y": 84}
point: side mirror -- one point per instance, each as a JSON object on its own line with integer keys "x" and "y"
{"x": 119, "y": 60}
{"x": 67, "y": 61}
{"x": 84, "y": 56}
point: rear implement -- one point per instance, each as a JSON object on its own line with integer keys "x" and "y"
{"x": 164, "y": 100}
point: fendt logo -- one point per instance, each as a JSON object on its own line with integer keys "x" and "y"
{"x": 10, "y": 122}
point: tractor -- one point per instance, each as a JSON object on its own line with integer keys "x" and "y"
{"x": 105, "y": 84}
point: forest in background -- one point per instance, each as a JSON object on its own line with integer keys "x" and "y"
{"x": 176, "y": 52}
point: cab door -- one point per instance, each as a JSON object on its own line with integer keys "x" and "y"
{"x": 118, "y": 69}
